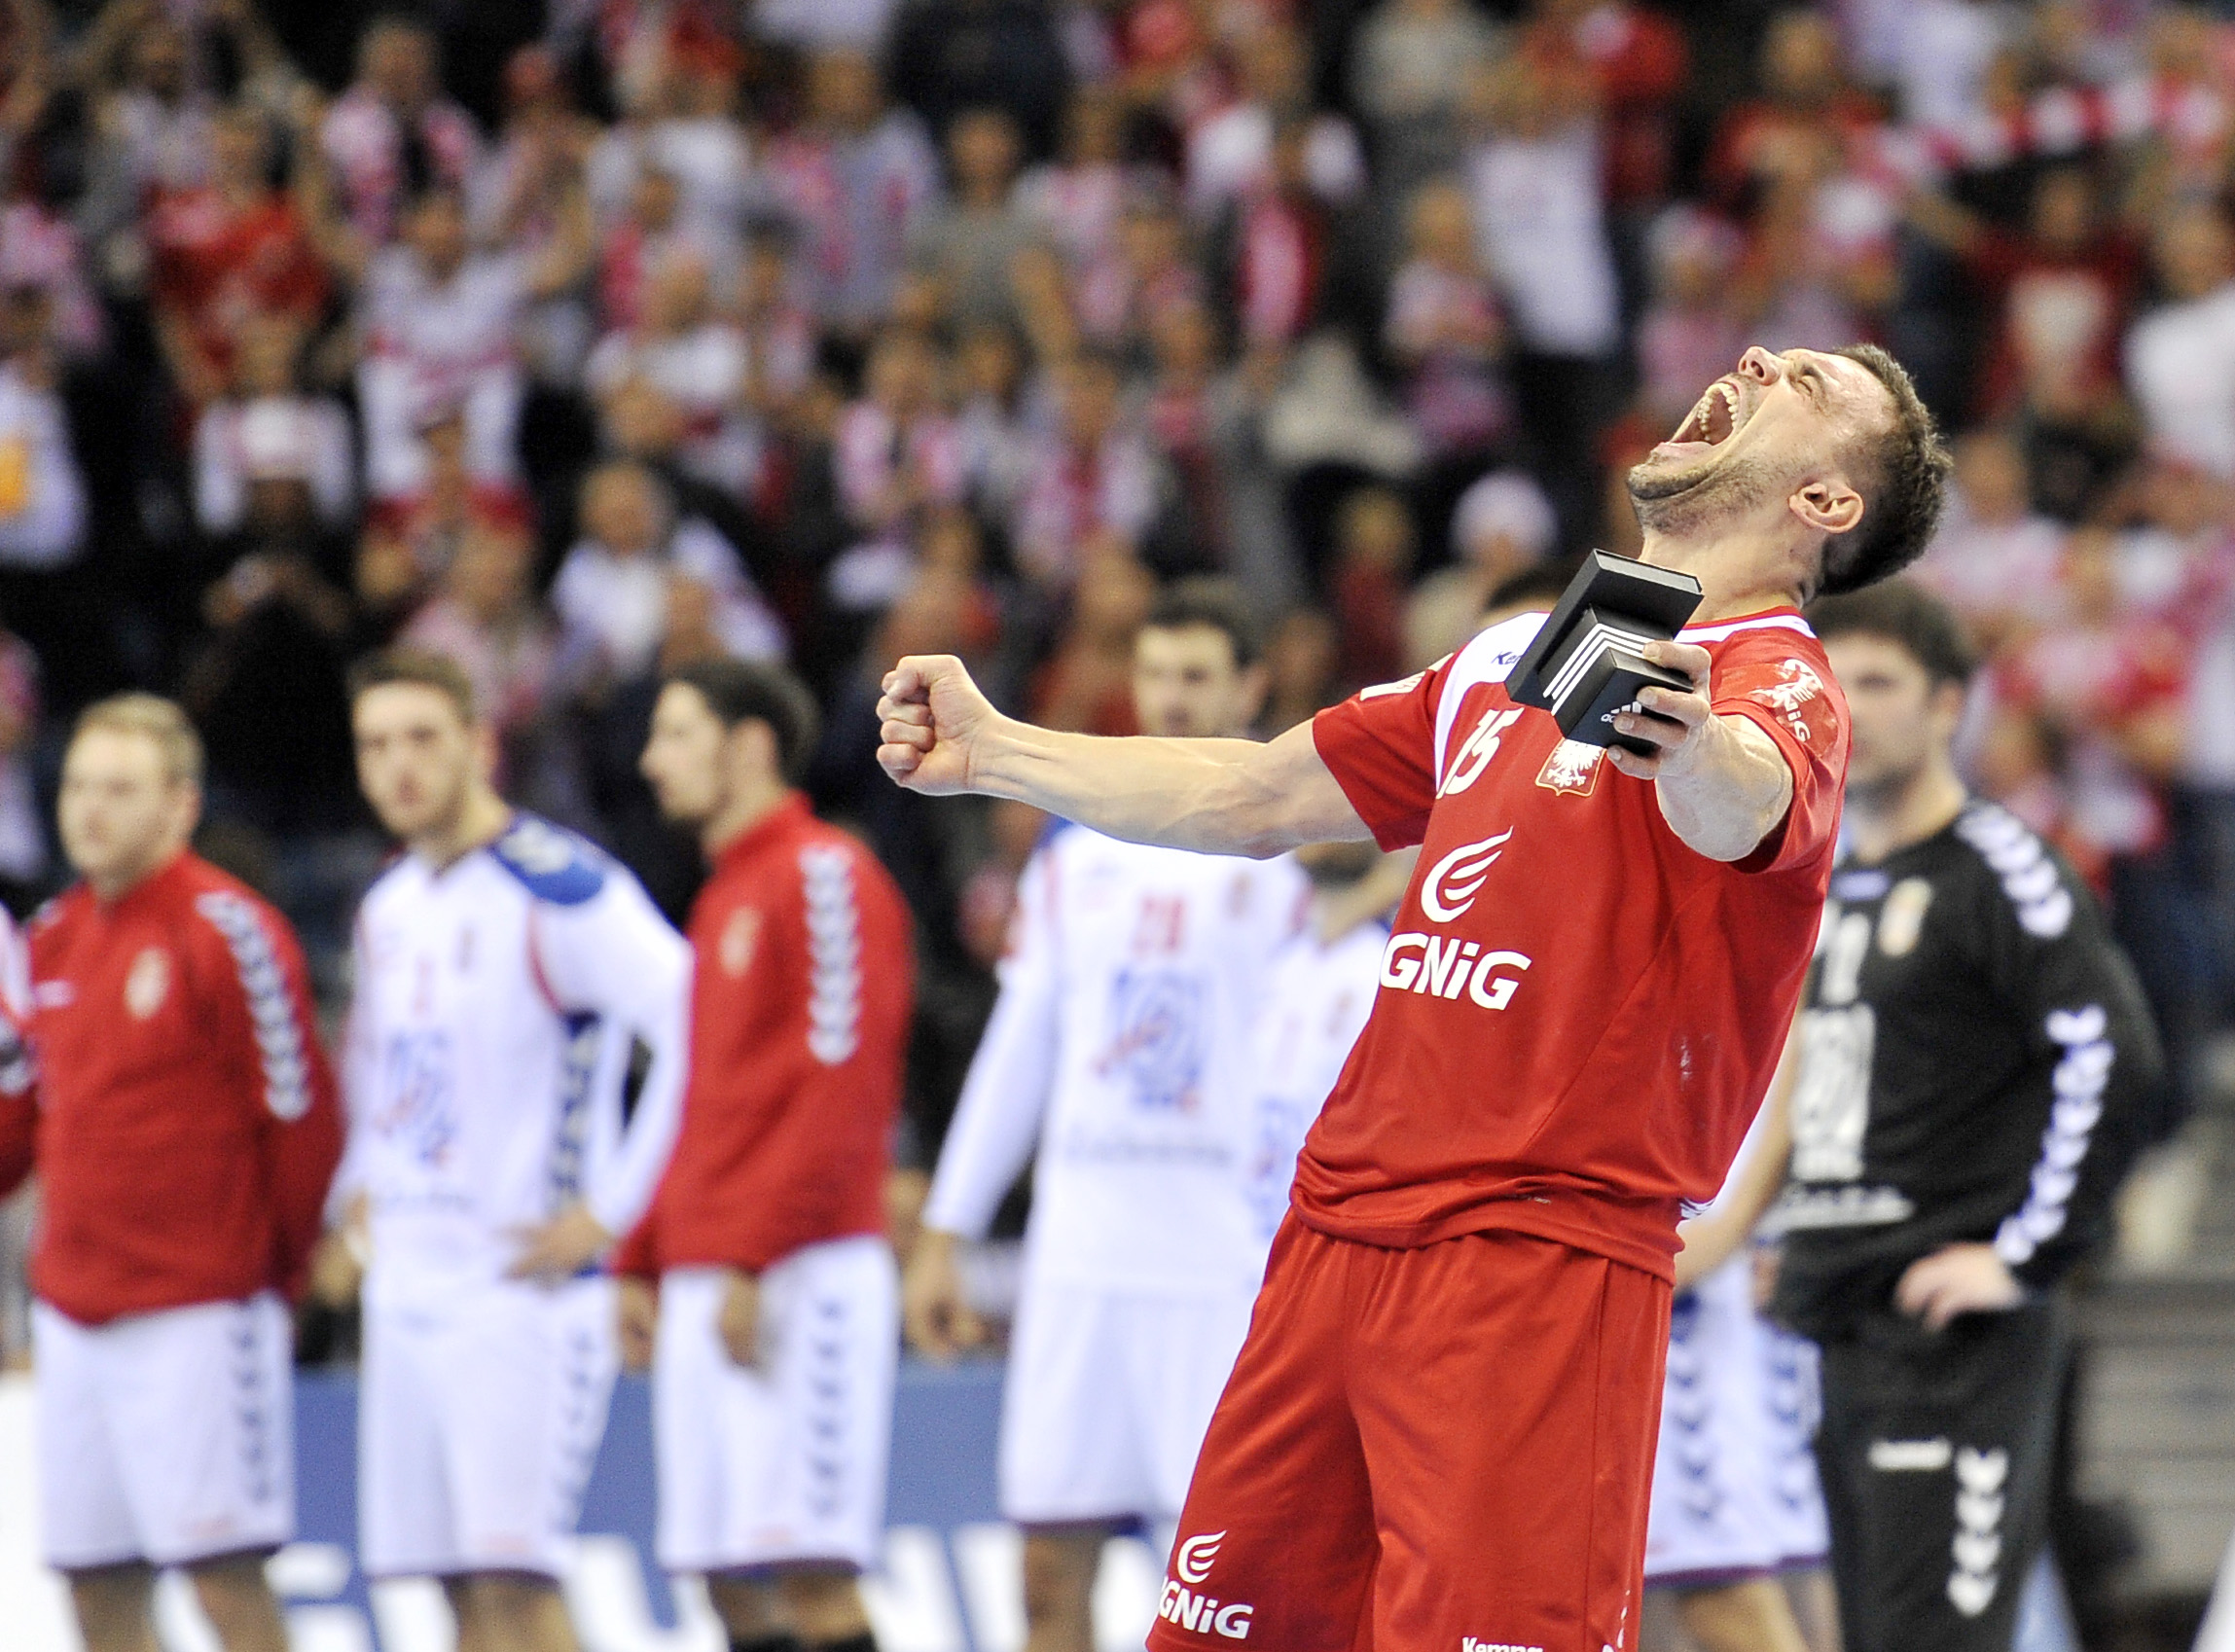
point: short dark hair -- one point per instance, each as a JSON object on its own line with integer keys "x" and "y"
{"x": 422, "y": 667}
{"x": 1216, "y": 604}
{"x": 1902, "y": 612}
{"x": 1546, "y": 581}
{"x": 1903, "y": 497}
{"x": 740, "y": 691}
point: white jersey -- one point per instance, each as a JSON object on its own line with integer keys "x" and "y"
{"x": 1316, "y": 999}
{"x": 498, "y": 1002}
{"x": 1122, "y": 1037}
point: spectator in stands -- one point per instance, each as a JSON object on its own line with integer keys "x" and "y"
{"x": 1412, "y": 64}
{"x": 266, "y": 677}
{"x": 683, "y": 352}
{"x": 42, "y": 489}
{"x": 1800, "y": 125}
{"x": 1692, "y": 326}
{"x": 1996, "y": 560}
{"x": 266, "y": 427}
{"x": 151, "y": 123}
{"x": 1374, "y": 542}
{"x": 1093, "y": 476}
{"x": 685, "y": 129}
{"x": 2057, "y": 294}
{"x": 1532, "y": 173}
{"x": 394, "y": 135}
{"x": 1233, "y": 155}
{"x": 898, "y": 457}
{"x": 2180, "y": 358}
{"x": 440, "y": 323}
{"x": 225, "y": 252}
{"x": 966, "y": 245}
{"x": 616, "y": 585}
{"x": 1077, "y": 202}
{"x": 1087, "y": 683}
{"x": 485, "y": 615}
{"x": 989, "y": 419}
{"x": 1636, "y": 61}
{"x": 1504, "y": 527}
{"x": 1445, "y": 332}
{"x": 858, "y": 177}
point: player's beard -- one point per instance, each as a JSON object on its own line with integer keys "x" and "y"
{"x": 1689, "y": 501}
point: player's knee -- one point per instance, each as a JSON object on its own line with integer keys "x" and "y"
{"x": 502, "y": 1597}
{"x": 823, "y": 1606}
{"x": 1060, "y": 1570}
{"x": 234, "y": 1591}
{"x": 112, "y": 1605}
{"x": 1748, "y": 1616}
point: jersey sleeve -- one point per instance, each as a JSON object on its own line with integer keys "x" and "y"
{"x": 2046, "y": 951}
{"x": 614, "y": 956}
{"x": 1380, "y": 746}
{"x": 997, "y": 1120}
{"x": 1780, "y": 682}
{"x": 260, "y": 1000}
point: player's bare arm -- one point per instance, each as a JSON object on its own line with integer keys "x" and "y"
{"x": 940, "y": 734}
{"x": 1714, "y": 1237}
{"x": 1723, "y": 784}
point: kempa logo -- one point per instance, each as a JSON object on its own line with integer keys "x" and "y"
{"x": 1197, "y": 1556}
{"x": 1454, "y": 880}
{"x": 1468, "y": 1643}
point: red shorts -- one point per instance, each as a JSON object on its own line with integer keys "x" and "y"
{"x": 1441, "y": 1450}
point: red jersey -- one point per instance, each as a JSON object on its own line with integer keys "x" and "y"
{"x": 186, "y": 1124}
{"x": 801, "y": 985}
{"x": 215, "y": 265}
{"x": 1578, "y": 1014}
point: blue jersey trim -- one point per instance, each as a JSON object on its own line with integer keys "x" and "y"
{"x": 551, "y": 863}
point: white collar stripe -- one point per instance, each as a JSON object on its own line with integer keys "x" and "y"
{"x": 1765, "y": 622}
{"x": 1485, "y": 660}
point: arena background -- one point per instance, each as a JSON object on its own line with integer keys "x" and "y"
{"x": 585, "y": 337}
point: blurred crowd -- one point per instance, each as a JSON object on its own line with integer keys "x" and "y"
{"x": 580, "y": 339}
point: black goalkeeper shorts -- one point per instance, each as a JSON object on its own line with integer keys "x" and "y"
{"x": 1936, "y": 1453}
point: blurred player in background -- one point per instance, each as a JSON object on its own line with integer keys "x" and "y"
{"x": 1316, "y": 996}
{"x": 777, "y": 1308}
{"x": 504, "y": 971}
{"x": 1720, "y": 1526}
{"x": 1973, "y": 1047}
{"x": 185, "y": 1131}
{"x": 1122, "y": 1042}
{"x": 1969, "y": 1057}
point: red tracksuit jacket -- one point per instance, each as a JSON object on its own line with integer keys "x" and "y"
{"x": 183, "y": 1120}
{"x": 802, "y": 985}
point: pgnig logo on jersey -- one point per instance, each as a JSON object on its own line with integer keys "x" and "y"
{"x": 1443, "y": 966}
{"x": 1198, "y": 1613}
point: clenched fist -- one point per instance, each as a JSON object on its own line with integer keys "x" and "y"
{"x": 934, "y": 724}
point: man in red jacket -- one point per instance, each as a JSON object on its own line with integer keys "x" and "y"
{"x": 779, "y": 1309}
{"x": 185, "y": 1125}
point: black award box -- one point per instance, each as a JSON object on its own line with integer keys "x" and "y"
{"x": 1586, "y": 664}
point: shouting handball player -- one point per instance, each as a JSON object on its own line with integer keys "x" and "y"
{"x": 1439, "y": 1433}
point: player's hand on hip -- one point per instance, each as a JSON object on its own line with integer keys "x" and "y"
{"x": 932, "y": 722}
{"x": 554, "y": 1251}
{"x": 1957, "y": 1279}
{"x": 740, "y": 1321}
{"x": 1672, "y": 721}
{"x": 933, "y": 1308}
{"x": 635, "y": 1321}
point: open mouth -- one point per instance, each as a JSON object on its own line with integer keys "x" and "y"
{"x": 1712, "y": 423}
